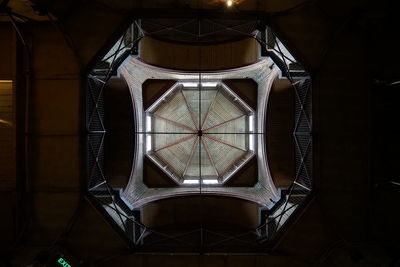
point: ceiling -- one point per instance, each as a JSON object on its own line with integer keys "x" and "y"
{"x": 351, "y": 219}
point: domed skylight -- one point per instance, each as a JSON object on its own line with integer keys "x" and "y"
{"x": 199, "y": 134}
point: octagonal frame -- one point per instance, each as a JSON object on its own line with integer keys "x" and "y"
{"x": 127, "y": 220}
{"x": 195, "y": 127}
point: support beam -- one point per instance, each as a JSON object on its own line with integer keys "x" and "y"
{"x": 223, "y": 123}
{"x": 224, "y": 142}
{"x": 191, "y": 156}
{"x": 190, "y": 111}
{"x": 176, "y": 142}
{"x": 209, "y": 157}
{"x": 208, "y": 111}
{"x": 175, "y": 123}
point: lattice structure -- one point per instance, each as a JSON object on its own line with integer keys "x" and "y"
{"x": 136, "y": 72}
{"x": 121, "y": 210}
{"x": 301, "y": 188}
{"x": 103, "y": 195}
{"x": 205, "y": 133}
{"x": 195, "y": 30}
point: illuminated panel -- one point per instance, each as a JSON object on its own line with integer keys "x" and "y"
{"x": 7, "y": 136}
{"x": 6, "y": 104}
{"x": 63, "y": 262}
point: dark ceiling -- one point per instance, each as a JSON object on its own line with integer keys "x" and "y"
{"x": 349, "y": 47}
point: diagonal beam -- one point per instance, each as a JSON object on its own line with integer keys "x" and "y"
{"x": 208, "y": 111}
{"x": 175, "y": 123}
{"x": 166, "y": 28}
{"x": 169, "y": 165}
{"x": 226, "y": 28}
{"x": 95, "y": 109}
{"x": 223, "y": 142}
{"x": 176, "y": 142}
{"x": 223, "y": 123}
{"x": 190, "y": 156}
{"x": 107, "y": 77}
{"x": 233, "y": 163}
{"x": 190, "y": 111}
{"x": 209, "y": 156}
{"x": 295, "y": 86}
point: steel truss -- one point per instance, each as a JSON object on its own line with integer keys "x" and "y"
{"x": 128, "y": 221}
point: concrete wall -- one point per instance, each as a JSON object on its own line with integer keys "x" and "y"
{"x": 54, "y": 169}
{"x": 194, "y": 211}
{"x": 192, "y": 57}
{"x": 119, "y": 139}
{"x": 280, "y": 125}
{"x": 8, "y": 194}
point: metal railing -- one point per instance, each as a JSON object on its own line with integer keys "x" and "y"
{"x": 102, "y": 194}
{"x": 301, "y": 187}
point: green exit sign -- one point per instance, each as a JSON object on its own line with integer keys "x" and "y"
{"x": 63, "y": 262}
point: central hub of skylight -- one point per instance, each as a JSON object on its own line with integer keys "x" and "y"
{"x": 199, "y": 133}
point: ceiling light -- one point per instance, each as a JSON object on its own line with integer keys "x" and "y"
{"x": 229, "y": 3}
{"x": 190, "y": 84}
{"x": 214, "y": 181}
{"x": 191, "y": 181}
{"x": 209, "y": 84}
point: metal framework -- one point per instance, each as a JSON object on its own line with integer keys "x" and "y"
{"x": 136, "y": 72}
{"x": 301, "y": 188}
{"x": 198, "y": 133}
{"x": 127, "y": 220}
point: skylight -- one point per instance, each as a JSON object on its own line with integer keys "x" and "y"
{"x": 200, "y": 134}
